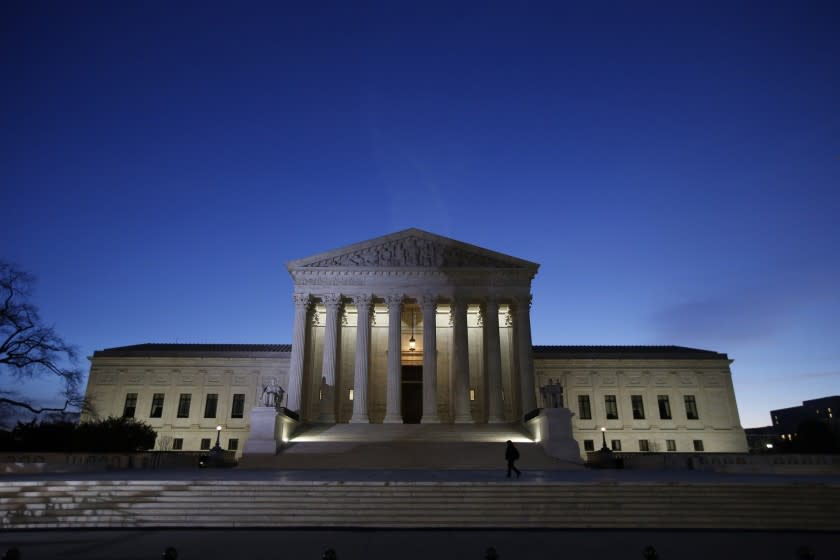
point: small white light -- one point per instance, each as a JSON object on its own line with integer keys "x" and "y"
{"x": 603, "y": 429}
{"x": 472, "y": 394}
{"x": 350, "y": 393}
{"x": 218, "y": 428}
{"x": 769, "y": 446}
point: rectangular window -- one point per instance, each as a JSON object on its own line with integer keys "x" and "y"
{"x": 698, "y": 445}
{"x": 612, "y": 407}
{"x": 615, "y": 445}
{"x": 664, "y": 407}
{"x": 588, "y": 445}
{"x": 184, "y": 405}
{"x": 644, "y": 445}
{"x": 130, "y": 405}
{"x": 210, "y": 405}
{"x": 237, "y": 409}
{"x": 583, "y": 407}
{"x": 178, "y": 444}
{"x": 638, "y": 407}
{"x": 157, "y": 406}
{"x": 233, "y": 444}
{"x": 205, "y": 444}
{"x": 691, "y": 408}
{"x": 671, "y": 445}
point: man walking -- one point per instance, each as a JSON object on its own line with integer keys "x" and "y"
{"x": 511, "y": 456}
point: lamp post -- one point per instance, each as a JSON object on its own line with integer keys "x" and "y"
{"x": 216, "y": 455}
{"x": 412, "y": 344}
{"x": 604, "y": 439}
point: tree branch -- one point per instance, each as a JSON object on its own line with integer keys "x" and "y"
{"x": 32, "y": 408}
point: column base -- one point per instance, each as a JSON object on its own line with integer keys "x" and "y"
{"x": 430, "y": 420}
{"x": 496, "y": 420}
{"x": 464, "y": 420}
{"x": 360, "y": 420}
{"x": 393, "y": 420}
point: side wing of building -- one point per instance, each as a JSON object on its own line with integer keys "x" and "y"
{"x": 184, "y": 391}
{"x": 649, "y": 398}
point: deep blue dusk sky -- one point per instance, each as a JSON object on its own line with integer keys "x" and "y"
{"x": 675, "y": 170}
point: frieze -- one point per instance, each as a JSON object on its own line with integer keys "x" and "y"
{"x": 582, "y": 381}
{"x": 413, "y": 251}
{"x": 609, "y": 380}
{"x": 304, "y": 277}
{"x": 635, "y": 379}
{"x": 107, "y": 379}
{"x": 134, "y": 379}
{"x": 240, "y": 379}
{"x": 687, "y": 379}
{"x": 660, "y": 379}
{"x": 713, "y": 380}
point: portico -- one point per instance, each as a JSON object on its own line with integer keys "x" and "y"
{"x": 357, "y": 307}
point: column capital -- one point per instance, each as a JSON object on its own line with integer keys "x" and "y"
{"x": 393, "y": 300}
{"x": 302, "y": 300}
{"x": 428, "y": 301}
{"x": 522, "y": 303}
{"x": 459, "y": 302}
{"x": 331, "y": 300}
{"x": 363, "y": 300}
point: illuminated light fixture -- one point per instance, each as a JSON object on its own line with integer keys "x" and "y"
{"x": 351, "y": 394}
{"x": 412, "y": 344}
{"x": 769, "y": 446}
{"x": 604, "y": 439}
{"x": 472, "y": 394}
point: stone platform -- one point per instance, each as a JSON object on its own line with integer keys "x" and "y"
{"x": 406, "y": 446}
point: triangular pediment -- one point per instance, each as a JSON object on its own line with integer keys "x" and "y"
{"x": 412, "y": 248}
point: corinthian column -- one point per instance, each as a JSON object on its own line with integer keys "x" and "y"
{"x": 430, "y": 409}
{"x": 493, "y": 363}
{"x": 526, "y": 353}
{"x": 360, "y": 375}
{"x": 328, "y": 370}
{"x": 462, "y": 363}
{"x": 393, "y": 404}
{"x": 302, "y": 303}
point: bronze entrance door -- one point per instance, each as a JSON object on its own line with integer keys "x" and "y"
{"x": 412, "y": 394}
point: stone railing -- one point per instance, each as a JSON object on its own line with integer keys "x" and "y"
{"x": 770, "y": 463}
{"x": 34, "y": 462}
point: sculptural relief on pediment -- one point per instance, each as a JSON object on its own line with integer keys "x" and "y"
{"x": 412, "y": 252}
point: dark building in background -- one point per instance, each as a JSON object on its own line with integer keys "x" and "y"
{"x": 787, "y": 422}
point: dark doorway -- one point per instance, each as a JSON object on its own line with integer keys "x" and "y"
{"x": 412, "y": 394}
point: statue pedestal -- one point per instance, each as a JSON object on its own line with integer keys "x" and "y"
{"x": 552, "y": 429}
{"x": 262, "y": 439}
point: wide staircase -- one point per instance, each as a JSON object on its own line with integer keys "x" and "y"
{"x": 279, "y": 503}
{"x": 406, "y": 446}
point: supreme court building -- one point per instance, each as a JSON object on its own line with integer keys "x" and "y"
{"x": 413, "y": 327}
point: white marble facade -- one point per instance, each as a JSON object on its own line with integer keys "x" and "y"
{"x": 468, "y": 312}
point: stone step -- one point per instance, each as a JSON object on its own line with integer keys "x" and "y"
{"x": 404, "y": 455}
{"x": 408, "y": 504}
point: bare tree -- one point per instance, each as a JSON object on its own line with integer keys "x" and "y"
{"x": 30, "y": 349}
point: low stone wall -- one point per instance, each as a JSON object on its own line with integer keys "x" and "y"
{"x": 770, "y": 463}
{"x": 33, "y": 462}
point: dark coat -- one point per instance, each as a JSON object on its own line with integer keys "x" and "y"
{"x": 511, "y": 453}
